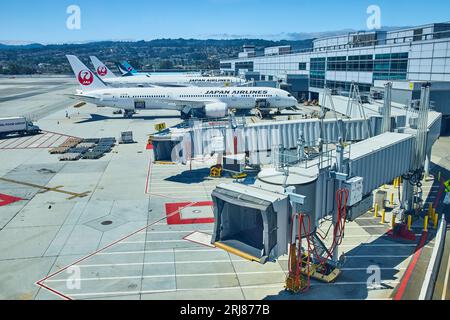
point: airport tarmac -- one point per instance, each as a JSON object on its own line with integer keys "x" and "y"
{"x": 141, "y": 230}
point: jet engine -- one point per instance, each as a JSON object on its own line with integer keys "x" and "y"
{"x": 216, "y": 110}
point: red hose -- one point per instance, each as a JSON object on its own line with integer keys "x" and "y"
{"x": 304, "y": 231}
{"x": 339, "y": 228}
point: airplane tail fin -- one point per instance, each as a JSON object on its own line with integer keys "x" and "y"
{"x": 86, "y": 78}
{"x": 126, "y": 68}
{"x": 101, "y": 69}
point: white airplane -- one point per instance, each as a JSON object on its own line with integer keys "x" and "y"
{"x": 202, "y": 102}
{"x": 178, "y": 80}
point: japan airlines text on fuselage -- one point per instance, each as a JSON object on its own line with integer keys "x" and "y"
{"x": 180, "y": 80}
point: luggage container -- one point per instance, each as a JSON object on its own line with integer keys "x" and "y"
{"x": 71, "y": 142}
{"x": 59, "y": 150}
{"x": 88, "y": 145}
{"x": 78, "y": 150}
{"x": 126, "y": 137}
{"x": 70, "y": 157}
{"x": 92, "y": 155}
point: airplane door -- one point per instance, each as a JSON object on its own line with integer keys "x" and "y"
{"x": 139, "y": 104}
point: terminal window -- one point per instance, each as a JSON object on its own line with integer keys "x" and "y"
{"x": 302, "y": 66}
{"x": 317, "y": 72}
{"x": 391, "y": 66}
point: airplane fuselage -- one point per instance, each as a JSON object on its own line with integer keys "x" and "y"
{"x": 173, "y": 80}
{"x": 193, "y": 97}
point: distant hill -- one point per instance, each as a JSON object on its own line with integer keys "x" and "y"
{"x": 21, "y": 46}
{"x": 167, "y": 54}
{"x": 302, "y": 43}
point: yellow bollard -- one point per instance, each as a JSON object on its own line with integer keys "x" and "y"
{"x": 425, "y": 224}
{"x": 375, "y": 215}
{"x": 430, "y": 210}
{"x": 436, "y": 220}
{"x": 392, "y": 199}
{"x": 409, "y": 222}
{"x": 393, "y": 221}
{"x": 383, "y": 216}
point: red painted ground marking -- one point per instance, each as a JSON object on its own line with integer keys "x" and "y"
{"x": 27, "y": 141}
{"x": 405, "y": 280}
{"x": 12, "y": 141}
{"x": 5, "y": 199}
{"x": 46, "y": 140}
{"x": 41, "y": 282}
{"x": 61, "y": 134}
{"x": 402, "y": 232}
{"x": 176, "y": 218}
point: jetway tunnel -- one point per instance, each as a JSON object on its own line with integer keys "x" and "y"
{"x": 254, "y": 221}
{"x": 250, "y": 221}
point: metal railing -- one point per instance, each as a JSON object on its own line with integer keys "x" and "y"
{"x": 325, "y": 156}
{"x": 438, "y": 35}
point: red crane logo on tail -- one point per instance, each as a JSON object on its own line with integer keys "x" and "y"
{"x": 102, "y": 71}
{"x": 85, "y": 77}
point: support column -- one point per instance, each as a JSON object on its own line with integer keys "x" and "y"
{"x": 407, "y": 195}
{"x": 427, "y": 163}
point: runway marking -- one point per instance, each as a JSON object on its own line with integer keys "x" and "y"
{"x": 269, "y": 286}
{"x": 154, "y": 241}
{"x": 6, "y": 199}
{"x": 29, "y": 141}
{"x": 41, "y": 282}
{"x": 11, "y": 141}
{"x": 38, "y": 141}
{"x": 171, "y": 231}
{"x": 191, "y": 275}
{"x": 72, "y": 195}
{"x": 157, "y": 251}
{"x": 129, "y": 264}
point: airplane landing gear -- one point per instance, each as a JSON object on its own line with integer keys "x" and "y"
{"x": 262, "y": 114}
{"x": 128, "y": 113}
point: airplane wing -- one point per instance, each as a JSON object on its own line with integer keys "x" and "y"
{"x": 83, "y": 97}
{"x": 169, "y": 85}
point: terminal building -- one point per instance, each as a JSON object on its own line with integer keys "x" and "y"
{"x": 406, "y": 57}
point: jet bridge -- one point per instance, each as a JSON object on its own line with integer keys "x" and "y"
{"x": 253, "y": 221}
{"x": 257, "y": 140}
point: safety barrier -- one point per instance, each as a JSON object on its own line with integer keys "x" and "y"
{"x": 431, "y": 275}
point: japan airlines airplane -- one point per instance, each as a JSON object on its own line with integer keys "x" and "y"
{"x": 203, "y": 102}
{"x": 175, "y": 80}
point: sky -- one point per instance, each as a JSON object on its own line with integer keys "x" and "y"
{"x": 44, "y": 21}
